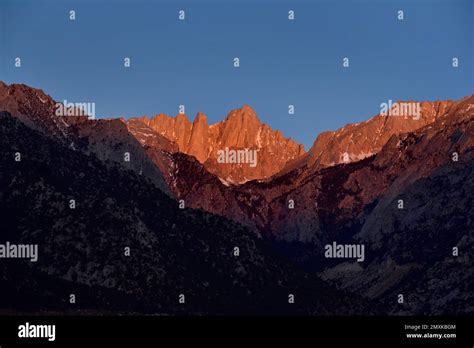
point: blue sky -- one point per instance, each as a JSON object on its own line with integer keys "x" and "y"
{"x": 282, "y": 62}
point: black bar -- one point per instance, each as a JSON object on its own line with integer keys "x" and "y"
{"x": 135, "y": 330}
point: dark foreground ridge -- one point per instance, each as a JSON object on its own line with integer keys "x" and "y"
{"x": 172, "y": 251}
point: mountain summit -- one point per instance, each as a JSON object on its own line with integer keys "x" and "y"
{"x": 240, "y": 130}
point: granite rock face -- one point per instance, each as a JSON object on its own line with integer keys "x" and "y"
{"x": 240, "y": 130}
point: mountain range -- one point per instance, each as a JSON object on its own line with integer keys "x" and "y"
{"x": 401, "y": 186}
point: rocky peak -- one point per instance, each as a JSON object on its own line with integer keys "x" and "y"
{"x": 198, "y": 145}
{"x": 240, "y": 130}
{"x": 200, "y": 119}
{"x": 33, "y": 107}
{"x": 355, "y": 142}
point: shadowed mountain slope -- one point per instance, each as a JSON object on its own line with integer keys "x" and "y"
{"x": 172, "y": 251}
